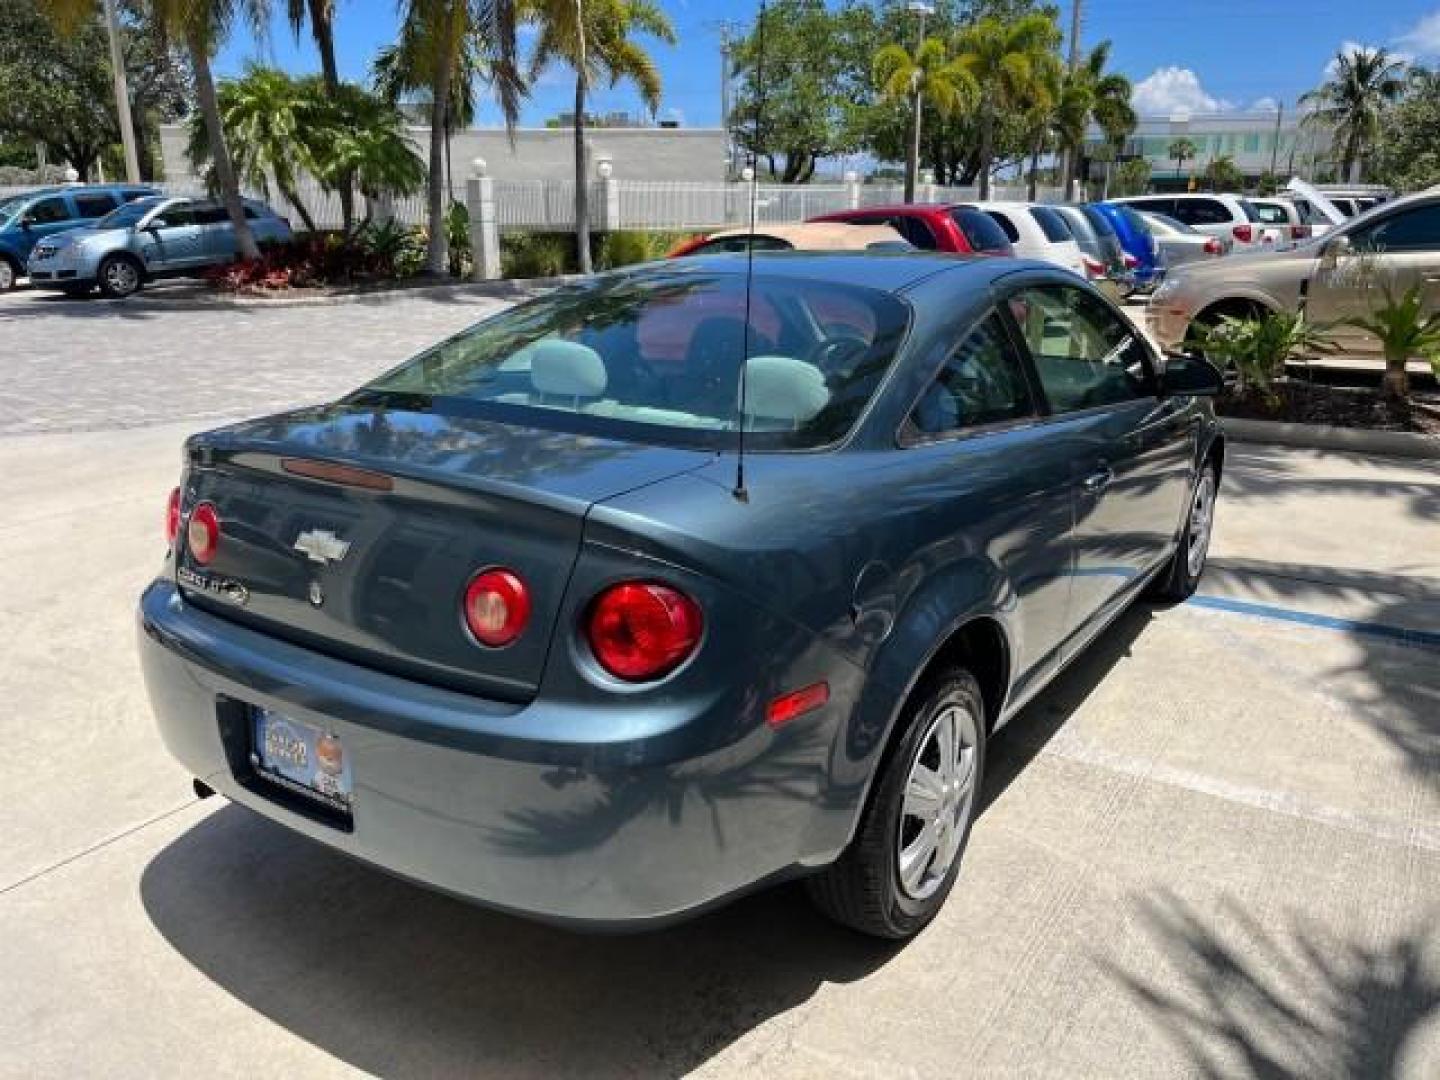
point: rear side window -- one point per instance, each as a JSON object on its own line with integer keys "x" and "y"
{"x": 983, "y": 382}
{"x": 1086, "y": 356}
{"x": 1051, "y": 224}
{"x": 980, "y": 230}
{"x": 1003, "y": 220}
{"x": 1202, "y": 212}
{"x": 1153, "y": 206}
{"x": 209, "y": 214}
{"x": 93, "y": 206}
{"x": 913, "y": 229}
{"x": 47, "y": 210}
{"x": 1409, "y": 230}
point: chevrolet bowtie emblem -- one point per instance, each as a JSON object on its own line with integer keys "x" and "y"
{"x": 321, "y": 545}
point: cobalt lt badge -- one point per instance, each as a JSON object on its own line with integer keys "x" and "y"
{"x": 317, "y": 594}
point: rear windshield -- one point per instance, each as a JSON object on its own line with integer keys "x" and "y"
{"x": 658, "y": 359}
{"x": 1271, "y": 213}
{"x": 981, "y": 232}
{"x": 1003, "y": 220}
{"x": 1098, "y": 220}
{"x": 1133, "y": 218}
{"x": 1051, "y": 224}
{"x": 1079, "y": 224}
{"x": 1251, "y": 212}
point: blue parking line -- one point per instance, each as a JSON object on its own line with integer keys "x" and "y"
{"x": 1427, "y": 639}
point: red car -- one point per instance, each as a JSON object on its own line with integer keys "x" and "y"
{"x": 934, "y": 226}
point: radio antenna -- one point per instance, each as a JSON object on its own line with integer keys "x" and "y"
{"x": 740, "y": 492}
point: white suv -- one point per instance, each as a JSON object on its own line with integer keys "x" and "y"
{"x": 1037, "y": 232}
{"x": 1231, "y": 217}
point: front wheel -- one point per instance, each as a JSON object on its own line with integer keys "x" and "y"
{"x": 1180, "y": 577}
{"x": 896, "y": 873}
{"x": 119, "y": 277}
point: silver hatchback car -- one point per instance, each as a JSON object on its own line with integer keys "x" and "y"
{"x": 147, "y": 239}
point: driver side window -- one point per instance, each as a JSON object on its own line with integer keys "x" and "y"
{"x": 1085, "y": 355}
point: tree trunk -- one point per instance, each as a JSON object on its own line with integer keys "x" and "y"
{"x": 1034, "y": 183}
{"x": 436, "y": 253}
{"x": 987, "y": 151}
{"x": 323, "y": 31}
{"x": 582, "y": 187}
{"x": 1067, "y": 170}
{"x": 1397, "y": 377}
{"x": 219, "y": 149}
{"x": 293, "y": 198}
{"x": 912, "y": 152}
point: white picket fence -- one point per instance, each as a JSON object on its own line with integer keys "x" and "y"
{"x": 549, "y": 205}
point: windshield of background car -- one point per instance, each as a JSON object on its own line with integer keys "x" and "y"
{"x": 657, "y": 359}
{"x": 10, "y": 208}
{"x": 128, "y": 215}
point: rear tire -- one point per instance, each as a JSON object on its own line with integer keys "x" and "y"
{"x": 896, "y": 873}
{"x": 1181, "y": 575}
{"x": 119, "y": 276}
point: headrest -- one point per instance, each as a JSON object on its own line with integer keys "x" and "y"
{"x": 783, "y": 388}
{"x": 566, "y": 369}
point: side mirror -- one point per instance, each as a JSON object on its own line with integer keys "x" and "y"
{"x": 1190, "y": 376}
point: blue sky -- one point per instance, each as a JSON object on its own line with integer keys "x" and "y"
{"x": 1182, "y": 54}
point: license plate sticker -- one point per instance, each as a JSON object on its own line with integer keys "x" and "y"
{"x": 301, "y": 757}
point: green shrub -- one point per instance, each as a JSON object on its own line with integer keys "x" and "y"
{"x": 528, "y": 254}
{"x": 457, "y": 239}
{"x": 625, "y": 247}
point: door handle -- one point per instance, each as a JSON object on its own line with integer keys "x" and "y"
{"x": 1099, "y": 480}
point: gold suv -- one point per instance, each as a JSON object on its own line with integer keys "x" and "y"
{"x": 1340, "y": 274}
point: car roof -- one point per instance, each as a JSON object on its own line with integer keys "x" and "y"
{"x": 831, "y": 235}
{"x": 895, "y": 208}
{"x": 887, "y": 271}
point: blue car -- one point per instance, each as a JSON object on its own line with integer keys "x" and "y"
{"x": 27, "y": 219}
{"x": 1138, "y": 241}
{"x": 147, "y": 239}
{"x": 523, "y": 620}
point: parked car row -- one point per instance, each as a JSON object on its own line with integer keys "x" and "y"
{"x": 118, "y": 237}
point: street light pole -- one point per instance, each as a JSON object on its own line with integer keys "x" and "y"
{"x": 122, "y": 95}
{"x": 918, "y": 7}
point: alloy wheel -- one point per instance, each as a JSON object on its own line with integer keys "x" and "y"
{"x": 121, "y": 277}
{"x": 939, "y": 799}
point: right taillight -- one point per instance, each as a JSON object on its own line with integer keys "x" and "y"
{"x": 1093, "y": 267}
{"x": 1299, "y": 232}
{"x": 1214, "y": 247}
{"x": 639, "y": 631}
{"x": 1131, "y": 262}
{"x": 1243, "y": 233}
{"x": 172, "y": 518}
{"x": 202, "y": 535}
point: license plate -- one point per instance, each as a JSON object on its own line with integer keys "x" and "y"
{"x": 301, "y": 757}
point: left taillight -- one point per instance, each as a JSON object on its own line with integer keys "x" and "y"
{"x": 496, "y": 607}
{"x": 202, "y": 534}
{"x": 640, "y": 631}
{"x": 1093, "y": 267}
{"x": 1244, "y": 233}
{"x": 172, "y": 518}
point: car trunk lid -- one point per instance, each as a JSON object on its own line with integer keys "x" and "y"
{"x": 354, "y": 530}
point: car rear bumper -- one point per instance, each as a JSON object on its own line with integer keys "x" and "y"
{"x": 450, "y": 793}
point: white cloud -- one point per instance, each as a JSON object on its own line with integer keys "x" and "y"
{"x": 1423, "y": 38}
{"x": 1174, "y": 89}
{"x": 1348, "y": 47}
{"x": 1264, "y": 104}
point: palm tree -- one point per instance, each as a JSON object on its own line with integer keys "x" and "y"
{"x": 929, "y": 77}
{"x": 1350, "y": 103}
{"x": 266, "y": 118}
{"x": 1005, "y": 59}
{"x": 1180, "y": 151}
{"x": 1223, "y": 174}
{"x": 592, "y": 38}
{"x": 201, "y": 25}
{"x": 1106, "y": 96}
{"x": 434, "y": 37}
{"x": 320, "y": 14}
{"x": 1052, "y": 108}
{"x": 361, "y": 138}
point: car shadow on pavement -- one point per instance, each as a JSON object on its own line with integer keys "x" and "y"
{"x": 1239, "y": 999}
{"x": 399, "y": 981}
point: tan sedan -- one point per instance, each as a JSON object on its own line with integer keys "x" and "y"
{"x": 805, "y": 236}
{"x": 1340, "y": 275}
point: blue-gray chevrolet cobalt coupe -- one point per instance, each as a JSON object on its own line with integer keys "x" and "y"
{"x": 524, "y": 621}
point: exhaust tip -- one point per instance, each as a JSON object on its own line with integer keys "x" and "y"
{"x": 202, "y": 789}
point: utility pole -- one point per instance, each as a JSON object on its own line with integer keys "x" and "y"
{"x": 1067, "y": 159}
{"x": 122, "y": 95}
{"x": 1275, "y": 145}
{"x": 726, "y": 29}
{"x": 912, "y": 170}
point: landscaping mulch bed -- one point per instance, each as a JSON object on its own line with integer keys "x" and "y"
{"x": 1299, "y": 402}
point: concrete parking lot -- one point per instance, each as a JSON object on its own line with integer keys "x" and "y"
{"x": 1212, "y": 849}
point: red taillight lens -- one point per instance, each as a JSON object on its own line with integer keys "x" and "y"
{"x": 1214, "y": 247}
{"x": 172, "y": 518}
{"x": 1299, "y": 232}
{"x": 202, "y": 536}
{"x": 1243, "y": 233}
{"x": 640, "y": 631}
{"x": 1093, "y": 267}
{"x": 497, "y": 607}
{"x": 1131, "y": 262}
